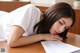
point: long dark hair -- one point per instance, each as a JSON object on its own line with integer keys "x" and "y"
{"x": 52, "y": 14}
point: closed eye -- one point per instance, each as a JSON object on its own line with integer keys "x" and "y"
{"x": 61, "y": 23}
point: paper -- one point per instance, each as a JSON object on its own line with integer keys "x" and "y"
{"x": 58, "y": 47}
{"x": 77, "y": 51}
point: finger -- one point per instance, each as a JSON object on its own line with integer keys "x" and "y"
{"x": 58, "y": 37}
{"x": 54, "y": 37}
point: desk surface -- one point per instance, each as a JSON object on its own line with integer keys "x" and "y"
{"x": 37, "y": 47}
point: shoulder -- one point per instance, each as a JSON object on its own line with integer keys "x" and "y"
{"x": 30, "y": 6}
{"x": 33, "y": 7}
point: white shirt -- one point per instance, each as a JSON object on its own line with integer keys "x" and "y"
{"x": 26, "y": 17}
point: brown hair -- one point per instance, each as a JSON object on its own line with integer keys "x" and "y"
{"x": 52, "y": 14}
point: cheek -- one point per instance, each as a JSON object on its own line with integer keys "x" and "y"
{"x": 54, "y": 27}
{"x": 51, "y": 30}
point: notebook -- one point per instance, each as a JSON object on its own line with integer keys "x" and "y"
{"x": 59, "y": 47}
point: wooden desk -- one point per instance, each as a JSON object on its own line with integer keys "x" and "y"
{"x": 37, "y": 47}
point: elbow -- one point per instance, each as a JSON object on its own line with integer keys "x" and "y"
{"x": 11, "y": 44}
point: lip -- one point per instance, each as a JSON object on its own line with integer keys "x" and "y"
{"x": 55, "y": 32}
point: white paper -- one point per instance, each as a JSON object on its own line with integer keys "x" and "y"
{"x": 58, "y": 47}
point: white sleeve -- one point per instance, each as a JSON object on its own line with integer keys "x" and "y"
{"x": 23, "y": 15}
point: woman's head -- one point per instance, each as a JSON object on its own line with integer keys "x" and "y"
{"x": 61, "y": 25}
{"x": 60, "y": 13}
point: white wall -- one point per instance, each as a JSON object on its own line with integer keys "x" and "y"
{"x": 67, "y": 1}
{"x": 50, "y": 2}
{"x": 24, "y": 0}
{"x": 43, "y": 2}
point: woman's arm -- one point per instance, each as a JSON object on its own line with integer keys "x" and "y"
{"x": 16, "y": 39}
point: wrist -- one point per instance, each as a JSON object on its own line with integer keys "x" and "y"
{"x": 41, "y": 37}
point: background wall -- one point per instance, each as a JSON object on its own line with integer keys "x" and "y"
{"x": 50, "y": 2}
{"x": 68, "y": 1}
{"x": 44, "y": 2}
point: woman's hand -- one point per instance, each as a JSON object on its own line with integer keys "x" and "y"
{"x": 51, "y": 37}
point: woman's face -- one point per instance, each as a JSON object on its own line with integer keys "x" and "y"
{"x": 60, "y": 25}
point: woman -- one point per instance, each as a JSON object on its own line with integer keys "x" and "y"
{"x": 31, "y": 27}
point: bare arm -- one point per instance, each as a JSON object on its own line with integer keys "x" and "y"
{"x": 16, "y": 39}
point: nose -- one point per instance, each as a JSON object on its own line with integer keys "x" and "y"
{"x": 61, "y": 29}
